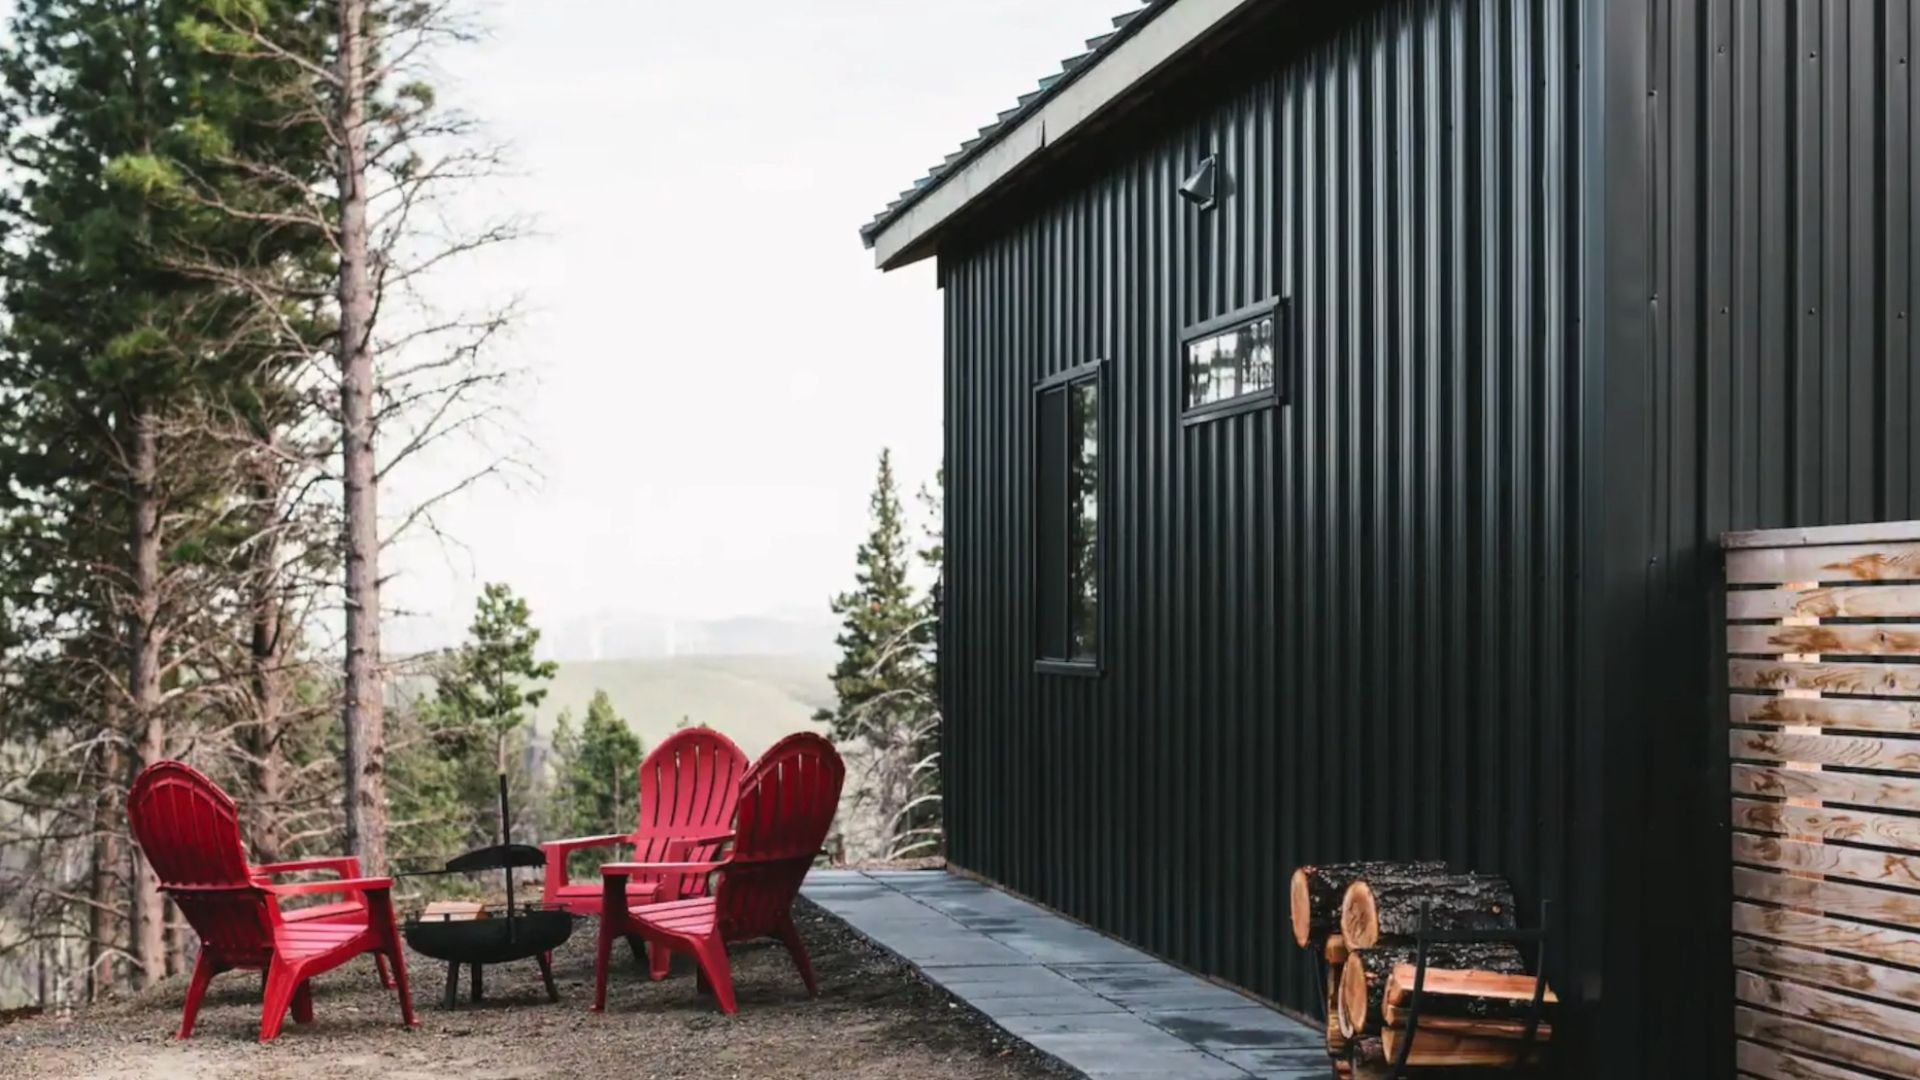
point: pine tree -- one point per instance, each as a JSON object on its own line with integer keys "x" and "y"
{"x": 488, "y": 690}
{"x": 879, "y": 618}
{"x": 597, "y": 773}
{"x": 884, "y": 679}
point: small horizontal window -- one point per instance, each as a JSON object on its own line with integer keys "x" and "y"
{"x": 1237, "y": 361}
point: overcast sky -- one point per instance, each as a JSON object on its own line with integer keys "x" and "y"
{"x": 713, "y": 362}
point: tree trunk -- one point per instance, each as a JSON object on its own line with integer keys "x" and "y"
{"x": 103, "y": 926}
{"x": 1364, "y": 978}
{"x": 365, "y": 719}
{"x": 1317, "y": 891}
{"x": 1385, "y": 907}
{"x": 268, "y": 648}
{"x": 143, "y": 680}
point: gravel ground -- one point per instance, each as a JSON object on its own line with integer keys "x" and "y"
{"x": 874, "y": 1020}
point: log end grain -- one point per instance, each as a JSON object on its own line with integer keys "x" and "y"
{"x": 1359, "y": 917}
{"x": 1302, "y": 899}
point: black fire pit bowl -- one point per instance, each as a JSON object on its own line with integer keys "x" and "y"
{"x": 528, "y": 932}
{"x": 496, "y": 940}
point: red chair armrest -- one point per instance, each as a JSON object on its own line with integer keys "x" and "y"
{"x": 623, "y": 869}
{"x": 308, "y": 888}
{"x": 710, "y": 834}
{"x": 580, "y": 843}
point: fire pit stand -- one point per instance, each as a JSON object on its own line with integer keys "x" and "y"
{"x": 522, "y": 932}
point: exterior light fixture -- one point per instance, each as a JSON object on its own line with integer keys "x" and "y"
{"x": 1199, "y": 187}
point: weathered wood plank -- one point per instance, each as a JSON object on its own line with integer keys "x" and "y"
{"x": 1820, "y": 931}
{"x": 1864, "y": 789}
{"x": 1826, "y": 1007}
{"x": 1845, "y": 751}
{"x": 1796, "y": 1034}
{"x": 1770, "y": 1063}
{"x": 1896, "y": 717}
{"x": 1885, "y": 680}
{"x": 1843, "y": 602}
{"x": 1830, "y": 639}
{"x": 1876, "y": 867}
{"x": 1898, "y": 561}
{"x": 1832, "y": 897}
{"x": 1888, "y": 984}
{"x": 1852, "y": 826}
{"x": 1865, "y": 532}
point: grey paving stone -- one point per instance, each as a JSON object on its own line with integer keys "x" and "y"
{"x": 1082, "y": 1003}
{"x": 1249, "y": 1027}
{"x": 1099, "y": 1005}
{"x": 1279, "y": 1064}
{"x": 1031, "y": 1026}
{"x": 1186, "y": 1065}
{"x": 990, "y": 981}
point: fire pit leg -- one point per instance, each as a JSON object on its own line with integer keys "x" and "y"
{"x": 476, "y": 984}
{"x": 453, "y": 984}
{"x": 546, "y": 976}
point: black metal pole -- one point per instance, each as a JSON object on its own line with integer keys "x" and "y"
{"x": 503, "y": 842}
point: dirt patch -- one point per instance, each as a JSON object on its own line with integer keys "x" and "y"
{"x": 875, "y": 1019}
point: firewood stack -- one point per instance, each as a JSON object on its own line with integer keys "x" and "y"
{"x": 1363, "y": 918}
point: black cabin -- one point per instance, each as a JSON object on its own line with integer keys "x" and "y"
{"x": 1343, "y": 405}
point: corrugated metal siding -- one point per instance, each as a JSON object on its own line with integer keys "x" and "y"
{"x": 1339, "y": 628}
{"x": 1765, "y": 380}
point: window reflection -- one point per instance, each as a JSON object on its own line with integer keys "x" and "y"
{"x": 1083, "y": 484}
{"x": 1230, "y": 364}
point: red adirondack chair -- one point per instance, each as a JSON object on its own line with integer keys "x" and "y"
{"x": 787, "y": 805}
{"x": 688, "y": 788}
{"x": 189, "y": 830}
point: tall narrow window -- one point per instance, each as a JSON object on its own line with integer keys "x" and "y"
{"x": 1067, "y": 504}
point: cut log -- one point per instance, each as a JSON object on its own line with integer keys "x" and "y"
{"x": 1336, "y": 951}
{"x": 1369, "y": 1060}
{"x": 1383, "y": 907}
{"x": 1396, "y": 1016}
{"x": 1365, "y": 976}
{"x": 1318, "y": 890}
{"x": 1337, "y": 1045}
{"x": 1476, "y": 995}
{"x": 1439, "y": 1048}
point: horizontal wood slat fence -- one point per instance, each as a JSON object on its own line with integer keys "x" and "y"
{"x": 1823, "y": 632}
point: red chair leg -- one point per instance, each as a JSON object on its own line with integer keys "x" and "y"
{"x": 661, "y": 959}
{"x": 380, "y": 962}
{"x": 400, "y": 984}
{"x": 203, "y": 973}
{"x": 303, "y": 1003}
{"x": 602, "y": 958}
{"x": 711, "y": 955}
{"x": 790, "y": 937}
{"x": 282, "y": 980}
{"x": 639, "y": 950}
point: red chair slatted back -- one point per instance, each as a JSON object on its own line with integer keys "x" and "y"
{"x": 690, "y": 781}
{"x": 189, "y": 831}
{"x": 787, "y": 804}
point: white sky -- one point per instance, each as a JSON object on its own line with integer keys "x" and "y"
{"x": 715, "y": 362}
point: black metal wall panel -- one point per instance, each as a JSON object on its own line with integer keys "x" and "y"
{"x": 1342, "y": 627}
{"x": 1760, "y": 366}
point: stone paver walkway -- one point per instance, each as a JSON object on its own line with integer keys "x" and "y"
{"x": 1104, "y": 1008}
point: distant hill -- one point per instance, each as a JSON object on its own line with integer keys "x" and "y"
{"x": 753, "y": 699}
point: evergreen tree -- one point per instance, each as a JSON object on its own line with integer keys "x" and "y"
{"x": 884, "y": 679}
{"x": 879, "y": 619}
{"x": 597, "y": 770}
{"x": 450, "y": 748}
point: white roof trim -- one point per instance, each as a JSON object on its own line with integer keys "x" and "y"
{"x": 1157, "y": 43}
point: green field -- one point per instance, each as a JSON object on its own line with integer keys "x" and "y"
{"x": 753, "y": 699}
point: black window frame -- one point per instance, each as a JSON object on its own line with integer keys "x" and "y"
{"x": 1280, "y": 308}
{"x": 1065, "y": 381}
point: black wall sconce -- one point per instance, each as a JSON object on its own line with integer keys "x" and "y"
{"x": 1201, "y": 187}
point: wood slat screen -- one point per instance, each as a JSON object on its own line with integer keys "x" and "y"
{"x": 1823, "y": 669}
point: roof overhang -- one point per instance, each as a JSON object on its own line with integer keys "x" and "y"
{"x": 1094, "y": 91}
